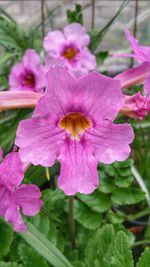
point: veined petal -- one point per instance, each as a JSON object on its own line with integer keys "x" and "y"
{"x": 14, "y": 217}
{"x": 39, "y": 140}
{"x": 28, "y": 198}
{"x": 78, "y": 169}
{"x": 93, "y": 95}
{"x": 11, "y": 170}
{"x": 110, "y": 141}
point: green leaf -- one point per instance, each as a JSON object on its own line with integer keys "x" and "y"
{"x": 45, "y": 247}
{"x": 144, "y": 260}
{"x": 97, "y": 201}
{"x": 75, "y": 15}
{"x": 124, "y": 182}
{"x": 6, "y": 237}
{"x": 85, "y": 216}
{"x": 106, "y": 185}
{"x": 127, "y": 196}
{"x": 121, "y": 254}
{"x": 96, "y": 38}
{"x": 115, "y": 217}
{"x": 30, "y": 257}
{"x": 96, "y": 250}
{"x": 101, "y": 56}
{"x": 10, "y": 264}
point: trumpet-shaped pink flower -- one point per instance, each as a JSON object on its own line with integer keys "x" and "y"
{"x": 136, "y": 106}
{"x": 29, "y": 74}
{"x": 73, "y": 122}
{"x": 142, "y": 55}
{"x": 70, "y": 49}
{"x": 14, "y": 196}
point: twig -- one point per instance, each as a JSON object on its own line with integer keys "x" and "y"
{"x": 71, "y": 220}
{"x": 42, "y": 18}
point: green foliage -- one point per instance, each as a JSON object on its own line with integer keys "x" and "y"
{"x": 30, "y": 257}
{"x": 10, "y": 264}
{"x": 144, "y": 260}
{"x": 100, "y": 57}
{"x": 86, "y": 217}
{"x": 75, "y": 15}
{"x": 97, "y": 37}
{"x": 6, "y": 237}
{"x": 44, "y": 247}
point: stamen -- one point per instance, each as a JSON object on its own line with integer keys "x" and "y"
{"x": 29, "y": 80}
{"x": 75, "y": 123}
{"x": 70, "y": 53}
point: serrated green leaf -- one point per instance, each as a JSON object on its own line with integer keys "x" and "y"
{"x": 127, "y": 196}
{"x": 85, "y": 216}
{"x": 96, "y": 250}
{"x": 123, "y": 182}
{"x": 6, "y": 237}
{"x": 97, "y": 201}
{"x": 144, "y": 260}
{"x": 106, "y": 185}
{"x": 121, "y": 254}
{"x": 115, "y": 217}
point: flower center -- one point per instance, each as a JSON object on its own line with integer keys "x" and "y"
{"x": 29, "y": 80}
{"x": 75, "y": 123}
{"x": 70, "y": 53}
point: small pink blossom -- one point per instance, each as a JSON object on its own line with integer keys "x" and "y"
{"x": 29, "y": 74}
{"x": 14, "y": 196}
{"x": 70, "y": 49}
{"x": 142, "y": 55}
{"x": 73, "y": 122}
{"x": 136, "y": 106}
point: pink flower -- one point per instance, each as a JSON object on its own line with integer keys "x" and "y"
{"x": 14, "y": 196}
{"x": 29, "y": 74}
{"x": 73, "y": 123}
{"x": 142, "y": 55}
{"x": 136, "y": 106}
{"x": 70, "y": 49}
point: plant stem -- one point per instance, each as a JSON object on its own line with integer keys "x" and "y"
{"x": 135, "y": 26}
{"x": 93, "y": 15}
{"x": 42, "y": 18}
{"x": 141, "y": 242}
{"x": 71, "y": 220}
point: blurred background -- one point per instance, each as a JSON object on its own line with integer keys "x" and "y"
{"x": 96, "y": 13}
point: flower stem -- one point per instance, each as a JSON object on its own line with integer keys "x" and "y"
{"x": 71, "y": 220}
{"x": 141, "y": 242}
{"x": 42, "y": 18}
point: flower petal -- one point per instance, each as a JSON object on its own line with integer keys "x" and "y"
{"x": 14, "y": 217}
{"x": 147, "y": 87}
{"x": 111, "y": 141}
{"x": 11, "y": 170}
{"x": 31, "y": 59}
{"x": 93, "y": 95}
{"x": 28, "y": 198}
{"x": 39, "y": 141}
{"x": 136, "y": 75}
{"x": 52, "y": 43}
{"x": 99, "y": 97}
{"x": 77, "y": 33}
{"x": 78, "y": 170}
